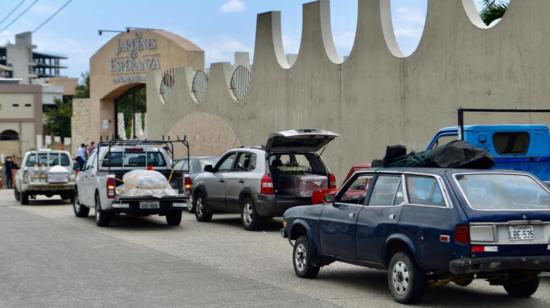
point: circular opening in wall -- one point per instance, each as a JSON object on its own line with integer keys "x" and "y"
{"x": 9, "y": 135}
{"x": 491, "y": 12}
{"x": 200, "y": 83}
{"x": 240, "y": 81}
{"x": 408, "y": 20}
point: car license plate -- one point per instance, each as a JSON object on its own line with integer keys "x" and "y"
{"x": 149, "y": 205}
{"x": 521, "y": 233}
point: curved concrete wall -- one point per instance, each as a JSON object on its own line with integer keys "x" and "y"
{"x": 376, "y": 97}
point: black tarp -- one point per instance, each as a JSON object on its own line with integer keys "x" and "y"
{"x": 456, "y": 154}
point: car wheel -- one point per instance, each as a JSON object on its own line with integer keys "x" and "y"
{"x": 102, "y": 218}
{"x": 249, "y": 216}
{"x": 24, "y": 198}
{"x": 405, "y": 280}
{"x": 173, "y": 218}
{"x": 522, "y": 288}
{"x": 464, "y": 282}
{"x": 302, "y": 259}
{"x": 79, "y": 210}
{"x": 16, "y": 195}
{"x": 202, "y": 212}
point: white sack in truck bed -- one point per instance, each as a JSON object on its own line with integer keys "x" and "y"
{"x": 145, "y": 183}
{"x": 301, "y": 185}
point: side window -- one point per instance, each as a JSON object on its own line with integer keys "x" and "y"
{"x": 90, "y": 163}
{"x": 443, "y": 140}
{"x": 246, "y": 162}
{"x": 424, "y": 190}
{"x": 31, "y": 160}
{"x": 511, "y": 143}
{"x": 227, "y": 163}
{"x": 114, "y": 159}
{"x": 356, "y": 192}
{"x": 385, "y": 190}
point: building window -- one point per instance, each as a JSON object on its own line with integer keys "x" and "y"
{"x": 15, "y": 105}
{"x": 9, "y": 135}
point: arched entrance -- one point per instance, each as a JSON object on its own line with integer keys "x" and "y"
{"x": 9, "y": 135}
{"x": 130, "y": 111}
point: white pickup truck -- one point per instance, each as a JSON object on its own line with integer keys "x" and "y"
{"x": 96, "y": 185}
{"x": 45, "y": 172}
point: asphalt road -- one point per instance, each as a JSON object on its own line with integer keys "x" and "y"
{"x": 50, "y": 258}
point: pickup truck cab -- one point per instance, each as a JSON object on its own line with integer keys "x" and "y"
{"x": 515, "y": 147}
{"x": 430, "y": 226}
{"x": 96, "y": 184}
{"x": 45, "y": 172}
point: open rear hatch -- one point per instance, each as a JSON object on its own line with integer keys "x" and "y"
{"x": 299, "y": 141}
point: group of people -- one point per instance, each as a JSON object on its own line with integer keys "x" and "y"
{"x": 10, "y": 164}
{"x": 83, "y": 152}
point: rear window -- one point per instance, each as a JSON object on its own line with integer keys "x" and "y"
{"x": 511, "y": 143}
{"x": 503, "y": 192}
{"x": 134, "y": 160}
{"x": 48, "y": 159}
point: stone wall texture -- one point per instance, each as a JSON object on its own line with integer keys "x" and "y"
{"x": 376, "y": 97}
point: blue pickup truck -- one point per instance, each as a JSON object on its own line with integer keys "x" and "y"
{"x": 515, "y": 147}
{"x": 430, "y": 226}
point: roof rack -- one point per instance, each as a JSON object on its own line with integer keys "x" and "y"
{"x": 261, "y": 147}
{"x": 167, "y": 143}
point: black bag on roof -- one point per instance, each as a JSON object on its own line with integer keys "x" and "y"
{"x": 456, "y": 154}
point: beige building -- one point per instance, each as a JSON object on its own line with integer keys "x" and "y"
{"x": 20, "y": 118}
{"x": 119, "y": 67}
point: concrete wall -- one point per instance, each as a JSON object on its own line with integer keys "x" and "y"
{"x": 376, "y": 97}
{"x": 19, "y": 55}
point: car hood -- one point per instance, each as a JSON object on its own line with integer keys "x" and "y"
{"x": 299, "y": 140}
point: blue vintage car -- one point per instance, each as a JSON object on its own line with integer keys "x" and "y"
{"x": 430, "y": 227}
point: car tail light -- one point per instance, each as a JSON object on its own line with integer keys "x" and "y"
{"x": 111, "y": 185}
{"x": 187, "y": 184}
{"x": 266, "y": 185}
{"x": 331, "y": 181}
{"x": 462, "y": 234}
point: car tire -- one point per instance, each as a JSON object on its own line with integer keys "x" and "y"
{"x": 79, "y": 210}
{"x": 16, "y": 195}
{"x": 464, "y": 282}
{"x": 302, "y": 259}
{"x": 24, "y": 198}
{"x": 405, "y": 279}
{"x": 522, "y": 288}
{"x": 202, "y": 212}
{"x": 173, "y": 218}
{"x": 102, "y": 218}
{"x": 250, "y": 218}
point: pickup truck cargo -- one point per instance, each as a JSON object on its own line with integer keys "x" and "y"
{"x": 96, "y": 185}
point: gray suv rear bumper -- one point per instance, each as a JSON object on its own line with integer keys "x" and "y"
{"x": 273, "y": 206}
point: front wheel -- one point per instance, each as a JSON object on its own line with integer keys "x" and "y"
{"x": 302, "y": 259}
{"x": 79, "y": 210}
{"x": 250, "y": 219}
{"x": 202, "y": 212}
{"x": 174, "y": 218}
{"x": 405, "y": 280}
{"x": 522, "y": 288}
{"x": 24, "y": 198}
{"x": 102, "y": 218}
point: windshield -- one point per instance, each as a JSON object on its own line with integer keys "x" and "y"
{"x": 503, "y": 192}
{"x": 48, "y": 159}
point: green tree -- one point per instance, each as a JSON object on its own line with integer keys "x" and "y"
{"x": 493, "y": 10}
{"x": 58, "y": 119}
{"x": 83, "y": 89}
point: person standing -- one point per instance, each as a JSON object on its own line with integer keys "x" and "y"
{"x": 81, "y": 156}
{"x": 90, "y": 149}
{"x": 8, "y": 167}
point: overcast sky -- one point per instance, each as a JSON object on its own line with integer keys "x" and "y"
{"x": 220, "y": 27}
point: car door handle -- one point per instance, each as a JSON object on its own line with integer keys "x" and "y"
{"x": 222, "y": 181}
{"x": 241, "y": 181}
{"x": 392, "y": 216}
{"x": 351, "y": 215}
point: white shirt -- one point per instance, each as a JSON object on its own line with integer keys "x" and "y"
{"x": 81, "y": 152}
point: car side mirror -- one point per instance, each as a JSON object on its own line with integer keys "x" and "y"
{"x": 329, "y": 198}
{"x": 209, "y": 168}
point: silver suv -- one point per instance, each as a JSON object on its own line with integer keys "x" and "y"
{"x": 262, "y": 182}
